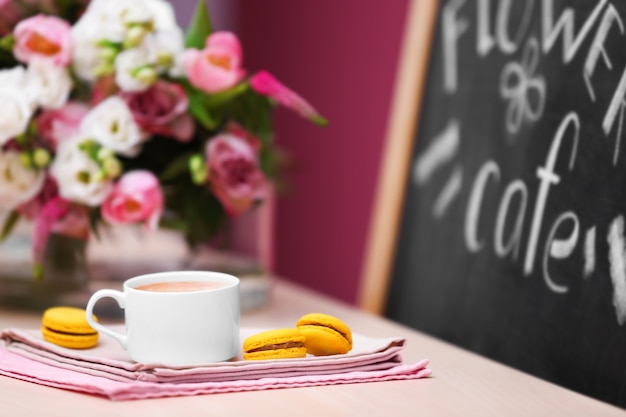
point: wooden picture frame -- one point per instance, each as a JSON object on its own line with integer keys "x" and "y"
{"x": 399, "y": 141}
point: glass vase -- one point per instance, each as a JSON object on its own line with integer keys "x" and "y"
{"x": 65, "y": 273}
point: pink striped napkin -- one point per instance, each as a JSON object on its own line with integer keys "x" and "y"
{"x": 106, "y": 370}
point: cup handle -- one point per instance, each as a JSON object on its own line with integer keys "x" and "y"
{"x": 117, "y": 296}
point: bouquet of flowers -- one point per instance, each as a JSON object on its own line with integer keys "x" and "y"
{"x": 111, "y": 114}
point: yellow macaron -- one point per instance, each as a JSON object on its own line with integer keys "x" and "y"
{"x": 325, "y": 334}
{"x": 68, "y": 327}
{"x": 274, "y": 344}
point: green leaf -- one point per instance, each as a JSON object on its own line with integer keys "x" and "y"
{"x": 9, "y": 224}
{"x": 223, "y": 97}
{"x": 175, "y": 225}
{"x": 7, "y": 42}
{"x": 197, "y": 106}
{"x": 200, "y": 112}
{"x": 208, "y": 109}
{"x": 254, "y": 113}
{"x": 199, "y": 28}
{"x": 180, "y": 165}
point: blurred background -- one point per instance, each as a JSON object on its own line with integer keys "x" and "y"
{"x": 342, "y": 57}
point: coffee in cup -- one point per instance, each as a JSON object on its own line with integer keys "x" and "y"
{"x": 182, "y": 286}
{"x": 180, "y": 318}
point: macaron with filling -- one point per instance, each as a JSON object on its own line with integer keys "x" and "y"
{"x": 274, "y": 344}
{"x": 325, "y": 334}
{"x": 68, "y": 327}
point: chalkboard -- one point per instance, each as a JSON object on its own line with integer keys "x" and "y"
{"x": 509, "y": 238}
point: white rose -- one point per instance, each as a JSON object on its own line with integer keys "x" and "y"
{"x": 48, "y": 85}
{"x": 18, "y": 184}
{"x": 79, "y": 177}
{"x": 111, "y": 124}
{"x": 127, "y": 65}
{"x": 16, "y": 109}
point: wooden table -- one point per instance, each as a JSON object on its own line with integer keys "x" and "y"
{"x": 463, "y": 384}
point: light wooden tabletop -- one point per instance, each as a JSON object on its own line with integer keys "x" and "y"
{"x": 463, "y": 384}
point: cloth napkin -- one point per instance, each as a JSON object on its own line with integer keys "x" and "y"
{"x": 107, "y": 371}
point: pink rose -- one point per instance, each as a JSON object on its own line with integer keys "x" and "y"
{"x": 57, "y": 125}
{"x": 44, "y": 36}
{"x": 234, "y": 173}
{"x": 136, "y": 197}
{"x": 266, "y": 84}
{"x": 216, "y": 67}
{"x": 162, "y": 109}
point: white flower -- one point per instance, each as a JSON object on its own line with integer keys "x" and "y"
{"x": 169, "y": 43}
{"x": 14, "y": 77}
{"x": 167, "y": 37}
{"x": 79, "y": 177}
{"x": 18, "y": 184}
{"x": 136, "y": 69}
{"x": 111, "y": 124}
{"x": 163, "y": 14}
{"x": 111, "y": 19}
{"x": 101, "y": 20}
{"x": 134, "y": 11}
{"x": 129, "y": 66}
{"x": 15, "y": 107}
{"x": 49, "y": 85}
{"x": 122, "y": 22}
{"x": 85, "y": 57}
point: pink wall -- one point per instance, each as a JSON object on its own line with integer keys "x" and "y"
{"x": 341, "y": 56}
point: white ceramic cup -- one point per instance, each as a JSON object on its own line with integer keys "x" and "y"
{"x": 181, "y": 328}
